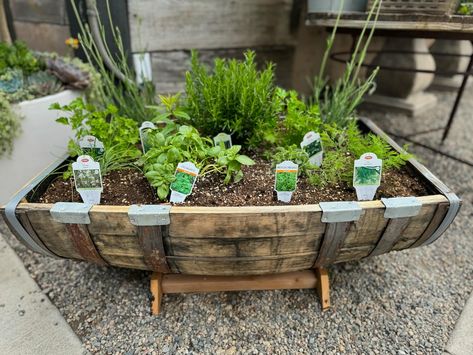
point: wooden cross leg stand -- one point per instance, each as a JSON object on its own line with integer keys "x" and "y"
{"x": 177, "y": 283}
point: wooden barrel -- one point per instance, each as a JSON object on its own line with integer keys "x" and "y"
{"x": 238, "y": 240}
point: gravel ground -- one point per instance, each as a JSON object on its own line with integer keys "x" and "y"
{"x": 402, "y": 303}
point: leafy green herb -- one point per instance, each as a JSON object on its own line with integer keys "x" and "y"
{"x": 18, "y": 56}
{"x": 167, "y": 150}
{"x": 235, "y": 97}
{"x": 119, "y": 134}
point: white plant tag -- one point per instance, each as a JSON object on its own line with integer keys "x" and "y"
{"x": 145, "y": 128}
{"x": 225, "y": 138}
{"x": 312, "y": 144}
{"x": 91, "y": 145}
{"x": 285, "y": 181}
{"x": 186, "y": 175}
{"x": 367, "y": 176}
{"x": 88, "y": 179}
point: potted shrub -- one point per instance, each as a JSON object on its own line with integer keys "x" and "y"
{"x": 29, "y": 84}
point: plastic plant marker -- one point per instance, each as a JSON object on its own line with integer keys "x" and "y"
{"x": 286, "y": 180}
{"x": 367, "y": 176}
{"x": 91, "y": 145}
{"x": 88, "y": 179}
{"x": 224, "y": 138}
{"x": 312, "y": 144}
{"x": 145, "y": 129}
{"x": 186, "y": 175}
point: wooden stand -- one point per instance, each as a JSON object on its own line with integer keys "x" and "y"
{"x": 178, "y": 283}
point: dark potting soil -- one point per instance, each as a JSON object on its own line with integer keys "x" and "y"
{"x": 120, "y": 187}
{"x": 128, "y": 187}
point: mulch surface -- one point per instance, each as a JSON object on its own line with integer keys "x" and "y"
{"x": 128, "y": 187}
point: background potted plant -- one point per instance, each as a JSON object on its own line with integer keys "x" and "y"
{"x": 29, "y": 83}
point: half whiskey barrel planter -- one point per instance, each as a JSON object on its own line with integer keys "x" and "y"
{"x": 233, "y": 241}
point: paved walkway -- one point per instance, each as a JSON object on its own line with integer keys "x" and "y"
{"x": 29, "y": 323}
{"x": 461, "y": 340}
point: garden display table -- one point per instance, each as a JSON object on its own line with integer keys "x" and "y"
{"x": 411, "y": 26}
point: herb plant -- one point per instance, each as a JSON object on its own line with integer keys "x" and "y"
{"x": 167, "y": 150}
{"x": 338, "y": 103}
{"x": 234, "y": 97}
{"x": 119, "y": 134}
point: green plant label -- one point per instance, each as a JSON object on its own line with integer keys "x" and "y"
{"x": 88, "y": 179}
{"x": 367, "y": 176}
{"x": 145, "y": 129}
{"x": 224, "y": 138}
{"x": 91, "y": 146}
{"x": 312, "y": 145}
{"x": 185, "y": 177}
{"x": 286, "y": 180}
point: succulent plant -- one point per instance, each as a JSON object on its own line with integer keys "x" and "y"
{"x": 68, "y": 73}
{"x": 11, "y": 81}
{"x": 43, "y": 83}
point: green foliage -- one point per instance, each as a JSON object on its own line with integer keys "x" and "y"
{"x": 342, "y": 146}
{"x": 119, "y": 134}
{"x": 286, "y": 181}
{"x": 183, "y": 183}
{"x": 9, "y": 127}
{"x": 120, "y": 88}
{"x": 170, "y": 109}
{"x": 299, "y": 119}
{"x": 43, "y": 84}
{"x": 234, "y": 97}
{"x": 169, "y": 148}
{"x": 227, "y": 161}
{"x": 18, "y": 56}
{"x": 465, "y": 8}
{"x": 338, "y": 103}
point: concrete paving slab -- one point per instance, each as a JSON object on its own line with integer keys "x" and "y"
{"x": 461, "y": 340}
{"x": 29, "y": 323}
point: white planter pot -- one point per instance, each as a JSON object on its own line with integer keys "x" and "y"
{"x": 329, "y": 6}
{"x": 41, "y": 142}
